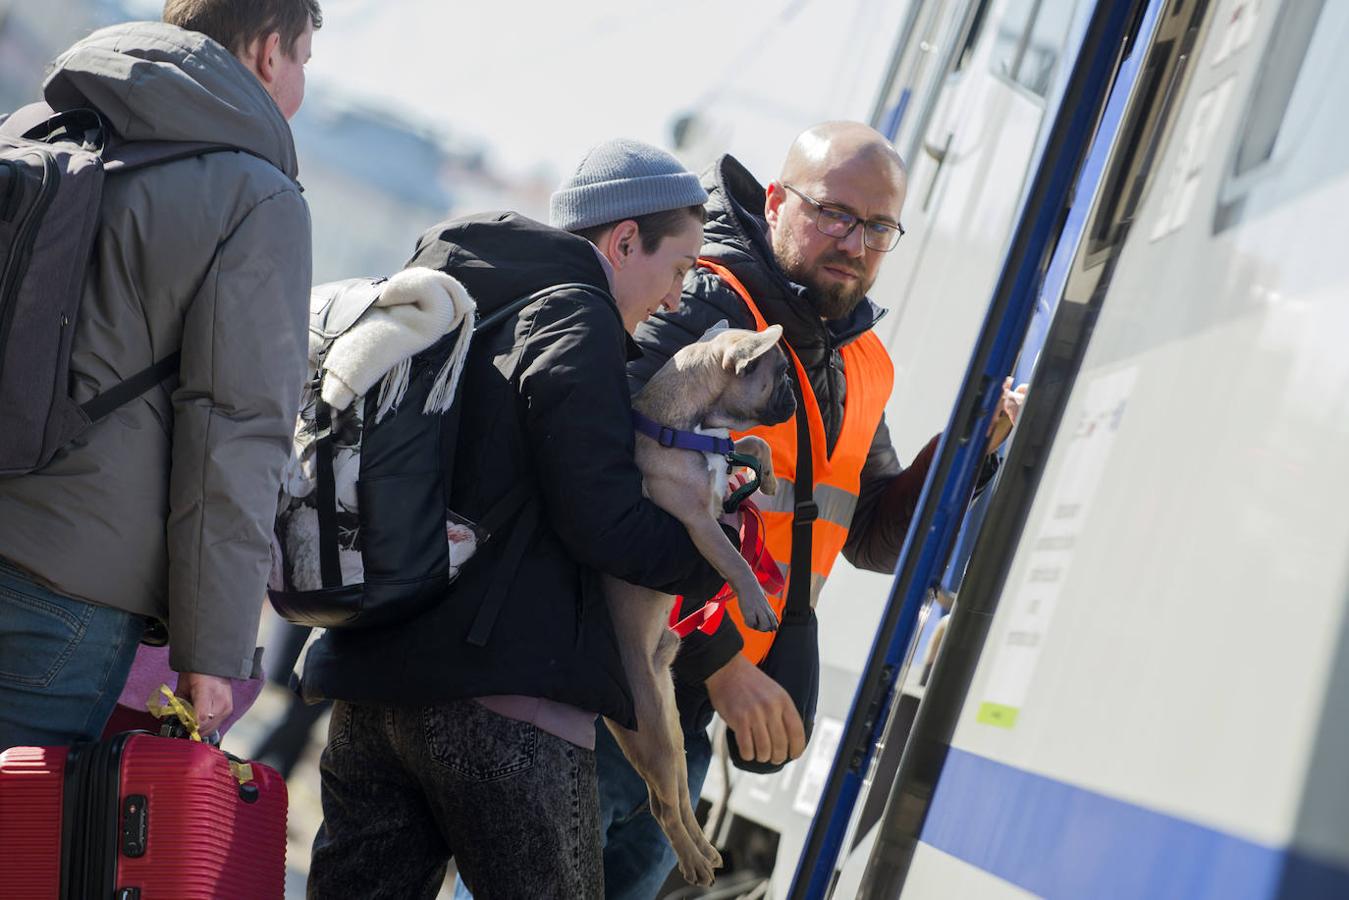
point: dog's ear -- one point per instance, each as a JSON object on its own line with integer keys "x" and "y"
{"x": 712, "y": 332}
{"x": 749, "y": 346}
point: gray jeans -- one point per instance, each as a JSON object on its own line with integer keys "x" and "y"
{"x": 404, "y": 789}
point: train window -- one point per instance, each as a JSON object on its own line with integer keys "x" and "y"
{"x": 894, "y": 96}
{"x": 1291, "y": 137}
{"x": 1150, "y": 114}
{"x": 1028, "y": 41}
{"x": 1276, "y": 86}
{"x": 972, "y": 35}
{"x": 1043, "y": 45}
{"x": 1009, "y": 39}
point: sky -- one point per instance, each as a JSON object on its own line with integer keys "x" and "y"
{"x": 539, "y": 81}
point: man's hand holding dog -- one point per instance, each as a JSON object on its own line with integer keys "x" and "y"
{"x": 765, "y": 721}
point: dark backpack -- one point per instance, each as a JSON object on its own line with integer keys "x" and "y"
{"x": 51, "y": 184}
{"x": 365, "y": 528}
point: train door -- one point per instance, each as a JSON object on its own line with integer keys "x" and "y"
{"x": 934, "y": 58}
{"x": 1129, "y": 748}
{"x": 983, "y": 110}
{"x": 1179, "y": 766}
{"x": 981, "y": 104}
{"x": 937, "y": 36}
{"x": 1104, "y": 39}
{"x": 966, "y": 178}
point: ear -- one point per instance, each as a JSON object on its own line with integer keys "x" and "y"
{"x": 262, "y": 57}
{"x": 748, "y": 347}
{"x": 620, "y": 243}
{"x": 712, "y": 332}
{"x": 773, "y": 200}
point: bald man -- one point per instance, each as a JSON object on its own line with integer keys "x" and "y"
{"x": 801, "y": 253}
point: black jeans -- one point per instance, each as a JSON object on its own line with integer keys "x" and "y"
{"x": 404, "y": 789}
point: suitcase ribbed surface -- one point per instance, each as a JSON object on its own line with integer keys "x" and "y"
{"x": 203, "y": 841}
{"x": 30, "y": 822}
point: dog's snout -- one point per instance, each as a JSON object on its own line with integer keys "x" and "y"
{"x": 783, "y": 404}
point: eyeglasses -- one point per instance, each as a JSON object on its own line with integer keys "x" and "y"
{"x": 838, "y": 223}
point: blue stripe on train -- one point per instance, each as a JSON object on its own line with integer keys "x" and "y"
{"x": 1057, "y": 840}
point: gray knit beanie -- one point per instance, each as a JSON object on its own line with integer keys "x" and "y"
{"x": 622, "y": 179}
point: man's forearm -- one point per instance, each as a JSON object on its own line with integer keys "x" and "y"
{"x": 882, "y": 519}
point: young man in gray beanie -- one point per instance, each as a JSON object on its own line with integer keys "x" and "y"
{"x": 469, "y": 731}
{"x": 625, "y": 194}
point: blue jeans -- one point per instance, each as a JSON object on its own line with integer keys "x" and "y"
{"x": 63, "y": 663}
{"x": 637, "y": 856}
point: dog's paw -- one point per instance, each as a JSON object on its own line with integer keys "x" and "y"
{"x": 768, "y": 483}
{"x": 759, "y": 616}
{"x": 697, "y": 870}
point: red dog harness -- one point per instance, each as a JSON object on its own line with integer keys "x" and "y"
{"x": 755, "y": 551}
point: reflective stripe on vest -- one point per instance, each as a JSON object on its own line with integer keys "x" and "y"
{"x": 869, "y": 375}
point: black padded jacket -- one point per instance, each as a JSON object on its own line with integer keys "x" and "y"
{"x": 543, "y": 400}
{"x": 736, "y": 237}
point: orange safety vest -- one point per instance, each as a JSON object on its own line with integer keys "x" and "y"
{"x": 870, "y": 376}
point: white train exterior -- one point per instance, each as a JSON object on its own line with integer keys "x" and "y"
{"x": 1158, "y": 709}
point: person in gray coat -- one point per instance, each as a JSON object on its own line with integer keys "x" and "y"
{"x": 163, "y": 510}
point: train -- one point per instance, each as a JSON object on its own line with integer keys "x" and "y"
{"x": 1122, "y": 671}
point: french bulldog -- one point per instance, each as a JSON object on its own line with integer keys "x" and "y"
{"x": 731, "y": 379}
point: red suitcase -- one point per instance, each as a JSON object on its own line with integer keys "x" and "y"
{"x": 139, "y": 817}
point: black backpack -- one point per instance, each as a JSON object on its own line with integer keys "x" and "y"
{"x": 52, "y": 169}
{"x": 365, "y": 531}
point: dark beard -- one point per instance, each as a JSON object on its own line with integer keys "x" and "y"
{"x": 832, "y": 301}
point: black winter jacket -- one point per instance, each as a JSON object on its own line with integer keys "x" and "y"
{"x": 544, "y": 399}
{"x": 736, "y": 236}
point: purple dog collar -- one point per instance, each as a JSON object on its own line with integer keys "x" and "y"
{"x": 681, "y": 440}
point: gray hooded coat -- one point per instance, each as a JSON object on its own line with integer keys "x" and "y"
{"x": 165, "y": 508}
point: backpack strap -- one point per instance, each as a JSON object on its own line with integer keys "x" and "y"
{"x": 805, "y": 514}
{"x": 25, "y": 119}
{"x": 128, "y": 156}
{"x": 500, "y": 315}
{"x": 39, "y": 122}
{"x": 99, "y": 406}
{"x": 325, "y": 488}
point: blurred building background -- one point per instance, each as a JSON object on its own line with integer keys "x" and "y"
{"x": 375, "y": 182}
{"x": 374, "y": 179}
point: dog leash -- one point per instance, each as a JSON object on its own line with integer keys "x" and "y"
{"x": 704, "y": 443}
{"x": 740, "y": 496}
{"x": 752, "y": 546}
{"x": 680, "y": 439}
{"x": 755, "y": 551}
